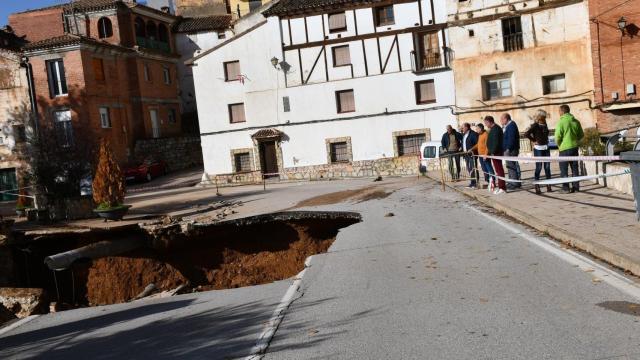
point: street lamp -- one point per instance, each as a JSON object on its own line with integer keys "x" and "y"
{"x": 622, "y": 24}
{"x": 274, "y": 61}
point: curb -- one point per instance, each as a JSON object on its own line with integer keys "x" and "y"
{"x": 599, "y": 251}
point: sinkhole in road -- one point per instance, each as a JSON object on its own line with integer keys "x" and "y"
{"x": 200, "y": 257}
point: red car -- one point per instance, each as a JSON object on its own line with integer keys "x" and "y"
{"x": 145, "y": 170}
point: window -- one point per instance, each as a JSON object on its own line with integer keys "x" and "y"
{"x": 410, "y": 144}
{"x": 172, "y": 116}
{"x": 147, "y": 72}
{"x": 286, "y": 104}
{"x": 384, "y": 15}
{"x": 140, "y": 28}
{"x": 163, "y": 33}
{"x": 57, "y": 79}
{"x": 341, "y": 56}
{"x": 19, "y": 133}
{"x": 98, "y": 69}
{"x": 553, "y": 84}
{"x": 166, "y": 74}
{"x": 254, "y": 4}
{"x": 236, "y": 113}
{"x": 105, "y": 120}
{"x": 152, "y": 30}
{"x": 221, "y": 35}
{"x": 242, "y": 162}
{"x": 512, "y": 34}
{"x": 105, "y": 29}
{"x": 429, "y": 55}
{"x": 337, "y": 22}
{"x": 64, "y": 129}
{"x": 232, "y": 71}
{"x": 497, "y": 86}
{"x": 339, "y": 152}
{"x": 425, "y": 92}
{"x": 345, "y": 101}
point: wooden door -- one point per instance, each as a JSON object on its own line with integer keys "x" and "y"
{"x": 269, "y": 158}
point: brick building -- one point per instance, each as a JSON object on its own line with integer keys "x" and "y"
{"x": 14, "y": 112}
{"x": 616, "y": 62}
{"x": 106, "y": 70}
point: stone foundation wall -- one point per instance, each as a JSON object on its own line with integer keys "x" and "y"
{"x": 178, "y": 152}
{"x": 622, "y": 183}
{"x": 396, "y": 166}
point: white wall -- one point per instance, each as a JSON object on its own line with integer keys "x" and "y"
{"x": 265, "y": 86}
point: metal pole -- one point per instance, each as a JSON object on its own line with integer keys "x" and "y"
{"x": 633, "y": 157}
{"x": 442, "y": 174}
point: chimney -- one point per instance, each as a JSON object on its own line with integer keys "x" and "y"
{"x": 165, "y": 9}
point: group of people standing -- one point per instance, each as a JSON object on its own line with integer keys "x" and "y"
{"x": 491, "y": 139}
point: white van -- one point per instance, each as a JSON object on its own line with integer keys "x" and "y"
{"x": 429, "y": 154}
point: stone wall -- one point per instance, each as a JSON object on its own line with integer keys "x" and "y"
{"x": 621, "y": 183}
{"x": 178, "y": 152}
{"x": 396, "y": 166}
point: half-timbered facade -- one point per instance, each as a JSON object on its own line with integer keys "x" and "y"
{"x": 317, "y": 89}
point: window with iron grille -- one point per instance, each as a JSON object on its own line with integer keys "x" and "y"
{"x": 339, "y": 152}
{"x": 384, "y": 15}
{"x": 410, "y": 144}
{"x": 512, "y": 34}
{"x": 242, "y": 162}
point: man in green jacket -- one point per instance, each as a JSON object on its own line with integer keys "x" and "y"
{"x": 568, "y": 135}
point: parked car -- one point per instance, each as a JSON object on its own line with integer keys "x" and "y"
{"x": 429, "y": 153}
{"x": 145, "y": 170}
{"x": 552, "y": 143}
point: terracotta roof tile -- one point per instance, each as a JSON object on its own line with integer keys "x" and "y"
{"x": 215, "y": 22}
{"x": 290, "y": 7}
{"x": 67, "y": 40}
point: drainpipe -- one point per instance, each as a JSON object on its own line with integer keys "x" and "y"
{"x": 32, "y": 94}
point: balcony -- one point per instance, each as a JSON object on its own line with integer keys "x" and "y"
{"x": 513, "y": 42}
{"x": 153, "y": 44}
{"x": 429, "y": 61}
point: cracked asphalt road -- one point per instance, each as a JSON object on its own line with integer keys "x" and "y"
{"x": 435, "y": 281}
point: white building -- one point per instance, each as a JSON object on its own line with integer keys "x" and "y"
{"x": 329, "y": 88}
{"x": 194, "y": 35}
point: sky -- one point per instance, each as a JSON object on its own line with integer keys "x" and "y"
{"x": 11, "y": 6}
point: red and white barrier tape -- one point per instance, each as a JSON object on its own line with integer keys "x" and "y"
{"x": 551, "y": 158}
{"x": 559, "y": 181}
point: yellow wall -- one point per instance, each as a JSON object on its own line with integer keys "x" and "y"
{"x": 244, "y": 6}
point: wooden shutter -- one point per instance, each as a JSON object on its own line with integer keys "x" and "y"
{"x": 341, "y": 56}
{"x": 232, "y": 70}
{"x": 337, "y": 22}
{"x": 236, "y": 113}
{"x": 346, "y": 101}
{"x": 425, "y": 92}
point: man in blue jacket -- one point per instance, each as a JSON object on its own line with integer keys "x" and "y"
{"x": 469, "y": 140}
{"x": 511, "y": 147}
{"x": 451, "y": 143}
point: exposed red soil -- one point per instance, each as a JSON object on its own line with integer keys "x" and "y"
{"x": 229, "y": 258}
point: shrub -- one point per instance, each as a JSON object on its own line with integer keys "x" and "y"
{"x": 108, "y": 182}
{"x": 591, "y": 144}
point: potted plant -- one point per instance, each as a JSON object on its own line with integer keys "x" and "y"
{"x": 108, "y": 186}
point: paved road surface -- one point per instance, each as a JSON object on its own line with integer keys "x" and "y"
{"x": 438, "y": 280}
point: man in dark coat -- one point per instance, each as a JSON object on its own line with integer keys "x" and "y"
{"x": 511, "y": 147}
{"x": 469, "y": 141}
{"x": 494, "y": 148}
{"x": 451, "y": 143}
